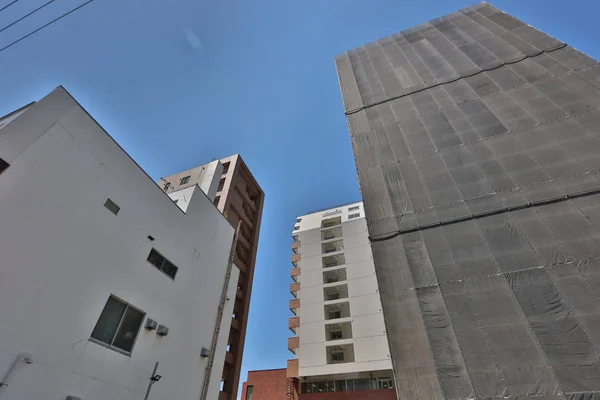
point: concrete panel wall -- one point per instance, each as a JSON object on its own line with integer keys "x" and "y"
{"x": 311, "y": 295}
{"x": 365, "y": 305}
{"x": 311, "y": 354}
{"x": 314, "y": 332}
{"x": 310, "y": 236}
{"x": 311, "y": 263}
{"x": 368, "y": 325}
{"x": 312, "y": 278}
{"x": 311, "y": 312}
{"x": 358, "y": 254}
{"x": 360, "y": 269}
{"x": 363, "y": 286}
{"x": 311, "y": 249}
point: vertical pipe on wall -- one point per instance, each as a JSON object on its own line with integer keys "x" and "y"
{"x": 213, "y": 347}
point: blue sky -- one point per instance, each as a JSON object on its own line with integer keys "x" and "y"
{"x": 180, "y": 83}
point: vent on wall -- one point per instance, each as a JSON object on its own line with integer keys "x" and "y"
{"x": 3, "y": 165}
{"x": 112, "y": 206}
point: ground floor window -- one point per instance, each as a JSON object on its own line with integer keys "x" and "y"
{"x": 346, "y": 385}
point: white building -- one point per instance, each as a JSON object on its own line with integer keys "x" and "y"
{"x": 340, "y": 332}
{"x": 92, "y": 251}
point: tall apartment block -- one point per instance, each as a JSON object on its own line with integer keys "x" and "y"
{"x": 341, "y": 345}
{"x": 477, "y": 144}
{"x": 105, "y": 282}
{"x": 234, "y": 191}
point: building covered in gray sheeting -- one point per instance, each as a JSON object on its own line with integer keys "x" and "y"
{"x": 477, "y": 146}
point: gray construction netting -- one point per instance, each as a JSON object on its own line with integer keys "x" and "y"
{"x": 477, "y": 145}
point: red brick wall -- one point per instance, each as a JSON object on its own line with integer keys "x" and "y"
{"x": 380, "y": 394}
{"x": 267, "y": 385}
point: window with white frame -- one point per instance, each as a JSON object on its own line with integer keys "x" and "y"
{"x": 118, "y": 325}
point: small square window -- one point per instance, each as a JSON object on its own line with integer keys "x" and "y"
{"x": 167, "y": 186}
{"x": 296, "y": 228}
{"x": 118, "y": 325}
{"x": 299, "y": 220}
{"x": 352, "y": 216}
{"x": 353, "y": 208}
{"x": 184, "y": 180}
{"x": 3, "y": 165}
{"x": 112, "y": 206}
{"x": 160, "y": 262}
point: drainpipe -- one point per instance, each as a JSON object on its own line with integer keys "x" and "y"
{"x": 21, "y": 359}
{"x": 215, "y": 339}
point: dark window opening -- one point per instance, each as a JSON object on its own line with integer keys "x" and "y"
{"x": 225, "y": 168}
{"x": 3, "y": 165}
{"x": 221, "y": 185}
{"x": 109, "y": 204}
{"x": 167, "y": 185}
{"x": 160, "y": 262}
{"x": 249, "y": 390}
{"x": 118, "y": 325}
{"x": 334, "y": 335}
{"x": 217, "y": 201}
{"x": 184, "y": 180}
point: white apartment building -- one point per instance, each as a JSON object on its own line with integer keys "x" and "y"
{"x": 340, "y": 341}
{"x": 102, "y": 274}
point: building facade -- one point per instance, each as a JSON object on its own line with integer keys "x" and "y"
{"x": 234, "y": 191}
{"x": 477, "y": 144}
{"x": 102, "y": 276}
{"x": 269, "y": 384}
{"x": 340, "y": 338}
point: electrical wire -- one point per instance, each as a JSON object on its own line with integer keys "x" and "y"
{"x": 8, "y": 5}
{"x": 45, "y": 25}
{"x": 27, "y": 15}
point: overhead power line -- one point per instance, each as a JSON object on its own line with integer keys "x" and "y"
{"x": 27, "y": 15}
{"x": 8, "y": 5}
{"x": 46, "y": 25}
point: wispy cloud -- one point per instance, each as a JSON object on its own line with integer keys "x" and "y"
{"x": 193, "y": 39}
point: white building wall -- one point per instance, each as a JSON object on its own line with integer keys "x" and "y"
{"x": 210, "y": 181}
{"x": 63, "y": 254}
{"x": 368, "y": 330}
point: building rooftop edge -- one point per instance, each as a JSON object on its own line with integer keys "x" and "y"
{"x": 330, "y": 208}
{"x": 270, "y": 369}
